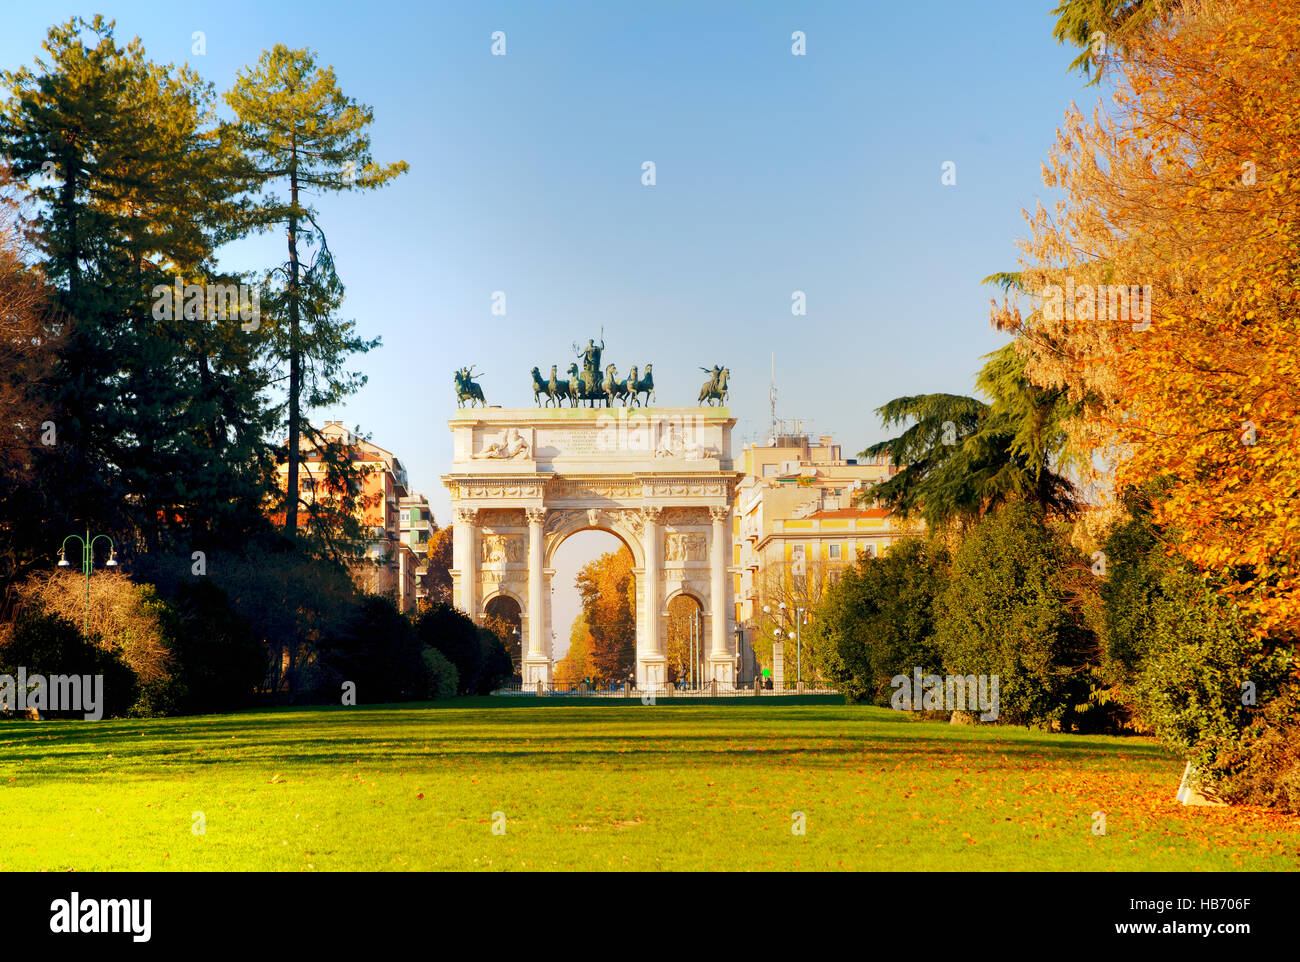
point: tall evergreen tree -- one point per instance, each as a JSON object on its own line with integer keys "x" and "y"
{"x": 960, "y": 456}
{"x": 161, "y": 423}
{"x": 298, "y": 130}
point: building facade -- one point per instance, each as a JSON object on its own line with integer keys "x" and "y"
{"x": 390, "y": 564}
{"x": 415, "y": 528}
{"x": 802, "y": 512}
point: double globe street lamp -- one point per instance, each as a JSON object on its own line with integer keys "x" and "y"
{"x": 87, "y": 562}
{"x": 796, "y": 636}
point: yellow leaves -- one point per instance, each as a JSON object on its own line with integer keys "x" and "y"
{"x": 1157, "y": 191}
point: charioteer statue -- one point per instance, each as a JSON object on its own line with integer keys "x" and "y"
{"x": 593, "y": 384}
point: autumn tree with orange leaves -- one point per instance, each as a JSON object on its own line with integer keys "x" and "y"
{"x": 1165, "y": 286}
{"x": 608, "y": 591}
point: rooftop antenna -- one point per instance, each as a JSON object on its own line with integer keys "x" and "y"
{"x": 772, "y": 398}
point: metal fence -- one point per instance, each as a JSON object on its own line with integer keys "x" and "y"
{"x": 670, "y": 690}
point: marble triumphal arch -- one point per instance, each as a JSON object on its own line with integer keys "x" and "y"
{"x": 661, "y": 479}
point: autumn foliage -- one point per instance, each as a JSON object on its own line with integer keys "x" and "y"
{"x": 603, "y": 643}
{"x": 1185, "y": 192}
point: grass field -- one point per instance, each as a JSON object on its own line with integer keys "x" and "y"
{"x": 612, "y": 786}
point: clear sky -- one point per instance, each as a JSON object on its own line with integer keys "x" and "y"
{"x": 775, "y": 173}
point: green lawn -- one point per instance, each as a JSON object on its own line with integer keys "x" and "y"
{"x": 606, "y": 786}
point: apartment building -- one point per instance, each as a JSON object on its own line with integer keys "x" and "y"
{"x": 415, "y": 527}
{"x": 390, "y": 564}
{"x": 802, "y": 512}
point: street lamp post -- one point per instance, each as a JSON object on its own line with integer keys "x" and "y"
{"x": 87, "y": 562}
{"x": 798, "y": 625}
{"x": 695, "y": 648}
{"x": 690, "y": 651}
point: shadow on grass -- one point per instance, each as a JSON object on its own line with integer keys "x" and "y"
{"x": 573, "y": 735}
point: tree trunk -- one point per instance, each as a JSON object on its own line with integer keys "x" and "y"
{"x": 295, "y": 372}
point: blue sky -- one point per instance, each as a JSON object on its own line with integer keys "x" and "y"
{"x": 775, "y": 173}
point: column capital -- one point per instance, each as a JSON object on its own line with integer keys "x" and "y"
{"x": 652, "y": 513}
{"x": 535, "y": 515}
{"x": 720, "y": 512}
{"x": 466, "y": 515}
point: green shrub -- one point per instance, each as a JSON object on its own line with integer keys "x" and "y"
{"x": 1196, "y": 657}
{"x": 377, "y": 649}
{"x": 877, "y": 621}
{"x": 1195, "y": 674}
{"x": 1263, "y": 766}
{"x": 495, "y": 666}
{"x": 451, "y": 632}
{"x": 441, "y": 677}
{"x": 160, "y": 698}
{"x": 217, "y": 660}
{"x": 295, "y": 603}
{"x": 1012, "y": 609}
{"x": 47, "y": 644}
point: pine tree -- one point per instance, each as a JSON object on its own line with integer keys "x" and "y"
{"x": 161, "y": 421}
{"x": 298, "y": 129}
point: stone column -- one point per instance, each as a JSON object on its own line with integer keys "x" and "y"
{"x": 778, "y": 666}
{"x": 537, "y": 662}
{"x": 720, "y": 659}
{"x": 465, "y": 548}
{"x": 652, "y": 661}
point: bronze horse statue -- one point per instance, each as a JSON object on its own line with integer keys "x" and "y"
{"x": 467, "y": 389}
{"x": 614, "y": 388}
{"x": 644, "y": 385}
{"x": 586, "y": 386}
{"x": 715, "y": 388}
{"x": 540, "y": 388}
{"x": 630, "y": 397}
{"x": 559, "y": 389}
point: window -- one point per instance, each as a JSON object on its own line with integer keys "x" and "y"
{"x": 769, "y": 470}
{"x": 834, "y": 552}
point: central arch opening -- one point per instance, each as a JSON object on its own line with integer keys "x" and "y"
{"x": 686, "y": 649}
{"x": 593, "y": 610}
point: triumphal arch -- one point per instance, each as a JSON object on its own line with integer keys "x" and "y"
{"x": 659, "y": 478}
